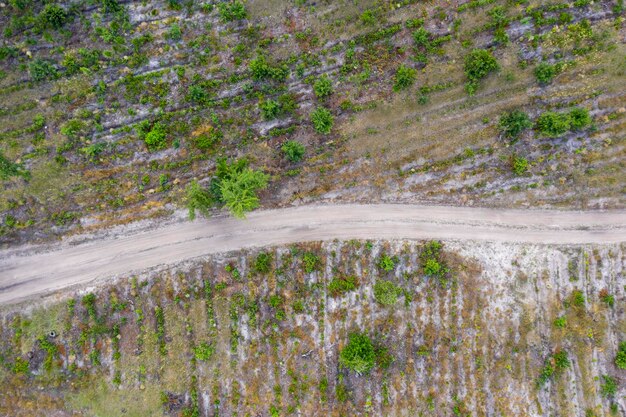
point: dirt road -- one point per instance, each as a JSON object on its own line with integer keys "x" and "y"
{"x": 30, "y": 271}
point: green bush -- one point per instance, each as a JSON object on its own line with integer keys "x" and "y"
{"x": 311, "y": 262}
{"x": 577, "y": 299}
{"x": 262, "y": 70}
{"x": 230, "y": 11}
{"x": 579, "y": 118}
{"x": 156, "y": 139}
{"x": 519, "y": 165}
{"x": 20, "y": 366}
{"x": 478, "y": 64}
{"x": 323, "y": 87}
{"x": 432, "y": 268}
{"x": 620, "y": 357}
{"x": 386, "y": 263}
{"x": 204, "y": 351}
{"x": 554, "y": 365}
{"x": 404, "y": 78}
{"x": 322, "y": 120}
{"x": 270, "y": 109}
{"x": 358, "y": 355}
{"x": 174, "y": 33}
{"x": 553, "y": 124}
{"x": 293, "y": 150}
{"x": 608, "y": 388}
{"x": 545, "y": 73}
{"x": 10, "y": 169}
{"x": 514, "y": 123}
{"x": 198, "y": 199}
{"x": 560, "y": 322}
{"x": 53, "y": 16}
{"x": 239, "y": 192}
{"x": 208, "y": 140}
{"x": 341, "y": 285}
{"x": 263, "y": 263}
{"x": 42, "y": 70}
{"x": 386, "y": 292}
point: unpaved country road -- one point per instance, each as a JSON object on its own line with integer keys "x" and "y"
{"x": 29, "y": 271}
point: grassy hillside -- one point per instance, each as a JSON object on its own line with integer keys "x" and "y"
{"x": 490, "y": 330}
{"x": 109, "y": 109}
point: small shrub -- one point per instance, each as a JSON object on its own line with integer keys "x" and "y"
{"x": 560, "y": 322}
{"x": 545, "y": 73}
{"x": 358, "y": 355}
{"x": 432, "y": 267}
{"x": 386, "y": 263}
{"x": 204, "y": 351}
{"x": 20, "y": 366}
{"x": 478, "y": 64}
{"x": 175, "y": 33}
{"x": 579, "y": 118}
{"x": 341, "y": 285}
{"x": 42, "y": 70}
{"x": 404, "y": 78}
{"x": 323, "y": 87}
{"x": 261, "y": 70}
{"x": 207, "y": 141}
{"x": 514, "y": 123}
{"x": 155, "y": 139}
{"x": 199, "y": 199}
{"x": 270, "y": 109}
{"x": 620, "y": 357}
{"x": 607, "y": 298}
{"x": 322, "y": 120}
{"x": 230, "y": 11}
{"x": 554, "y": 365}
{"x": 608, "y": 388}
{"x": 10, "y": 169}
{"x": 553, "y": 124}
{"x": 577, "y": 299}
{"x": 386, "y": 292}
{"x": 53, "y": 16}
{"x": 519, "y": 165}
{"x": 293, "y": 150}
{"x": 263, "y": 263}
{"x": 311, "y": 262}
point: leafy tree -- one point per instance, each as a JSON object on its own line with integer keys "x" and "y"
{"x": 405, "y": 77}
{"x": 545, "y": 73}
{"x": 478, "y": 64}
{"x": 323, "y": 87}
{"x": 358, "y": 355}
{"x": 53, "y": 16}
{"x": 239, "y": 192}
{"x": 293, "y": 150}
{"x": 386, "y": 292}
{"x": 41, "y": 70}
{"x": 553, "y": 124}
{"x": 579, "y": 118}
{"x": 514, "y": 123}
{"x": 322, "y": 120}
{"x": 198, "y": 198}
{"x": 11, "y": 169}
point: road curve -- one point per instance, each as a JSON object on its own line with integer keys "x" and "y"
{"x": 27, "y": 272}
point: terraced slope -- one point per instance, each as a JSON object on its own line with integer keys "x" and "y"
{"x": 109, "y": 109}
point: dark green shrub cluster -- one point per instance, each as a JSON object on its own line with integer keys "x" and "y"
{"x": 554, "y": 365}
{"x": 478, "y": 64}
{"x": 323, "y": 87}
{"x": 10, "y": 169}
{"x": 271, "y": 109}
{"x": 53, "y": 16}
{"x": 322, "y": 120}
{"x": 386, "y": 292}
{"x": 230, "y": 11}
{"x": 609, "y": 385}
{"x": 512, "y": 124}
{"x": 358, "y": 355}
{"x": 209, "y": 140}
{"x": 42, "y": 70}
{"x": 545, "y": 72}
{"x": 263, "y": 263}
{"x": 342, "y": 284}
{"x": 82, "y": 59}
{"x": 620, "y": 357}
{"x": 293, "y": 150}
{"x": 404, "y": 78}
{"x": 156, "y": 138}
{"x": 262, "y": 70}
{"x": 553, "y": 124}
{"x": 433, "y": 264}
